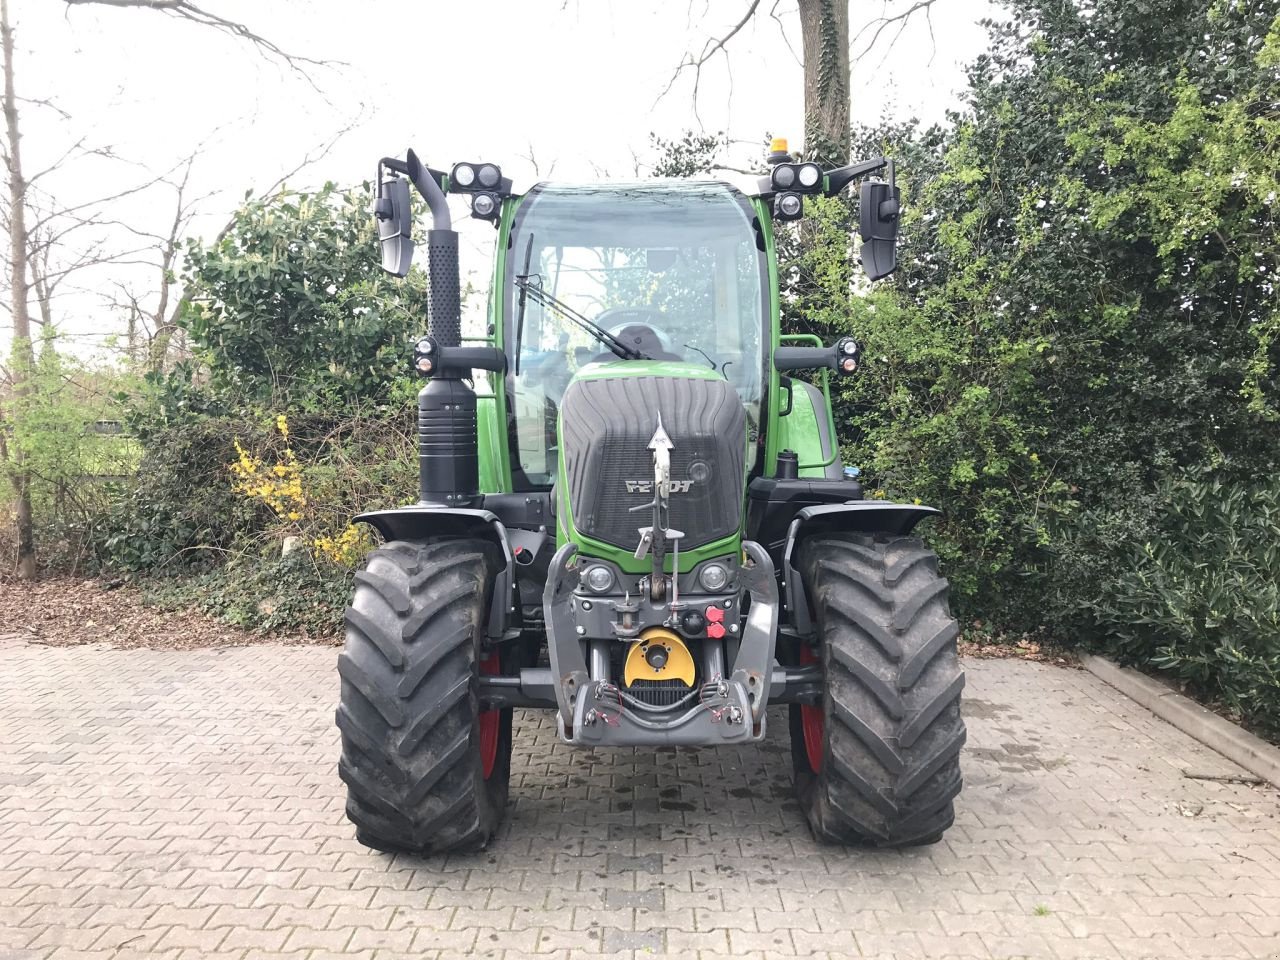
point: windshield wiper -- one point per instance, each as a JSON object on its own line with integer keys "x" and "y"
{"x": 533, "y": 289}
{"x": 528, "y": 252}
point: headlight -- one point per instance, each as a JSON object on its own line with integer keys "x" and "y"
{"x": 789, "y": 206}
{"x": 809, "y": 175}
{"x": 464, "y": 175}
{"x": 713, "y": 577}
{"x": 598, "y": 578}
{"x": 484, "y": 206}
{"x": 489, "y": 175}
{"x": 784, "y": 175}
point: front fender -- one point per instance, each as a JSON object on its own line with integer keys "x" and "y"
{"x": 422, "y": 524}
{"x": 857, "y": 516}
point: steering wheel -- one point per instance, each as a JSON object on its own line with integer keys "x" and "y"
{"x": 634, "y": 326}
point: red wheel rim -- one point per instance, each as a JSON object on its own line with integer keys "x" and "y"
{"x": 490, "y": 722}
{"x": 812, "y": 721}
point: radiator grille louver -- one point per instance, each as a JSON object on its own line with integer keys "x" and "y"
{"x": 606, "y": 426}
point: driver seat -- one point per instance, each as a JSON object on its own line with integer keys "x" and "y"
{"x": 641, "y": 337}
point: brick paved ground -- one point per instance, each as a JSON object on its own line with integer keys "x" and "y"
{"x": 186, "y": 805}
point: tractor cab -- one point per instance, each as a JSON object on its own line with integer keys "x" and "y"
{"x": 670, "y": 272}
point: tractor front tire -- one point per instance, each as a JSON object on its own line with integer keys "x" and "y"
{"x": 426, "y": 770}
{"x": 877, "y": 763}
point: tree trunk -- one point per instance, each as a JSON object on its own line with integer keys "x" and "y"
{"x": 23, "y": 359}
{"x": 824, "y": 30}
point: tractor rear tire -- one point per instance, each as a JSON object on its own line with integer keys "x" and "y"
{"x": 878, "y": 762}
{"x": 426, "y": 770}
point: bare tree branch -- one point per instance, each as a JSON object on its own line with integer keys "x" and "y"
{"x": 44, "y": 102}
{"x": 782, "y": 29}
{"x": 98, "y": 202}
{"x": 314, "y": 155}
{"x": 884, "y": 21}
{"x": 533, "y": 162}
{"x": 77, "y": 149}
{"x": 194, "y": 13}
{"x": 713, "y": 46}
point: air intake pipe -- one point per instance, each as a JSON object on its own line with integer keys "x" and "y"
{"x": 448, "y": 468}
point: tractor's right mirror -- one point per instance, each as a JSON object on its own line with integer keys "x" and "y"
{"x": 879, "y": 206}
{"x": 394, "y": 213}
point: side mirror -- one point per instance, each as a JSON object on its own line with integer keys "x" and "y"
{"x": 394, "y": 213}
{"x": 879, "y": 206}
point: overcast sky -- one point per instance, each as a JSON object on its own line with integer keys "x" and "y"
{"x": 575, "y": 84}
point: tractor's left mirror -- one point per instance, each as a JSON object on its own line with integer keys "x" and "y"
{"x": 394, "y": 213}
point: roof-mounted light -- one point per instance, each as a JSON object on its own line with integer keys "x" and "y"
{"x": 801, "y": 177}
{"x": 474, "y": 177}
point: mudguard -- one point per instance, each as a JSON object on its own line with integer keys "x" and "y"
{"x": 420, "y": 524}
{"x": 858, "y": 516}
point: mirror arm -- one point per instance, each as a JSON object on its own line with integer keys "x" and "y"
{"x": 841, "y": 177}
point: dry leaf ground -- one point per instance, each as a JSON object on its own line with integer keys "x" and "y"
{"x": 70, "y": 611}
{"x": 66, "y": 612}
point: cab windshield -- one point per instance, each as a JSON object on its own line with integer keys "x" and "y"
{"x": 670, "y": 269}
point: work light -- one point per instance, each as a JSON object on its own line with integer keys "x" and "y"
{"x": 485, "y": 206}
{"x": 788, "y": 206}
{"x": 463, "y": 175}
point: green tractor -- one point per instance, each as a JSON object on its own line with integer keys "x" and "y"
{"x": 632, "y": 512}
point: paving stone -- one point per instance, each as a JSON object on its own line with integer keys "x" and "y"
{"x": 177, "y": 805}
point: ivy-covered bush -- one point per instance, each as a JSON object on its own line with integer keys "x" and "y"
{"x": 293, "y": 593}
{"x": 292, "y": 303}
{"x": 1085, "y": 314}
{"x": 1199, "y": 599}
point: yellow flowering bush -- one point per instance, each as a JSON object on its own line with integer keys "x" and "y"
{"x": 348, "y": 548}
{"x": 278, "y": 486}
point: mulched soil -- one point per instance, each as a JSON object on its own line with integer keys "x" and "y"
{"x": 65, "y": 612}
{"x": 1023, "y": 649}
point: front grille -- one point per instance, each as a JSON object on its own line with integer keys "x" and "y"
{"x": 699, "y": 512}
{"x": 658, "y": 693}
{"x": 607, "y": 424}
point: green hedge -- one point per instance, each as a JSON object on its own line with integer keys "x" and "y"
{"x": 1199, "y": 600}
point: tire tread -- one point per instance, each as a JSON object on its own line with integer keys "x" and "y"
{"x": 408, "y": 704}
{"x": 891, "y": 766}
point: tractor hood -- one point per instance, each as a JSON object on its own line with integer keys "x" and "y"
{"x": 608, "y": 419}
